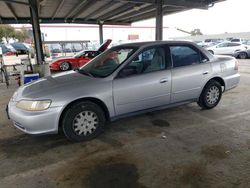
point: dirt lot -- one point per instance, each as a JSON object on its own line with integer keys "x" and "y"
{"x": 179, "y": 147}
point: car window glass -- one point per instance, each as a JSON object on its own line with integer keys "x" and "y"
{"x": 184, "y": 56}
{"x": 233, "y": 44}
{"x": 104, "y": 64}
{"x": 149, "y": 60}
{"x": 222, "y": 45}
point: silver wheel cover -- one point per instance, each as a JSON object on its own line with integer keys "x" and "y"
{"x": 213, "y": 95}
{"x": 85, "y": 123}
{"x": 64, "y": 66}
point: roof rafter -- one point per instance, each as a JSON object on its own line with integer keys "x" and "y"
{"x": 85, "y": 6}
{"x": 101, "y": 9}
{"x": 119, "y": 10}
{"x": 11, "y": 10}
{"x": 57, "y": 9}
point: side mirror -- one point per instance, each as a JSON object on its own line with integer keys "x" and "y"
{"x": 204, "y": 60}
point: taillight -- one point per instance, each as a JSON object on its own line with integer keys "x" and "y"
{"x": 236, "y": 66}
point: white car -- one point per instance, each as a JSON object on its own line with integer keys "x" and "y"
{"x": 229, "y": 48}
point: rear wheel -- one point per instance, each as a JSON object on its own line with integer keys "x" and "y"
{"x": 211, "y": 95}
{"x": 64, "y": 66}
{"x": 243, "y": 55}
{"x": 83, "y": 121}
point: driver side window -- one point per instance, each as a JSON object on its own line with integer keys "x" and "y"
{"x": 149, "y": 60}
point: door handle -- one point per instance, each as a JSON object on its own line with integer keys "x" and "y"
{"x": 204, "y": 73}
{"x": 163, "y": 80}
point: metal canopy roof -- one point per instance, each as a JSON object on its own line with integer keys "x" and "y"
{"x": 112, "y": 12}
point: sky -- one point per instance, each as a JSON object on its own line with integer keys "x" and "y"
{"x": 229, "y": 16}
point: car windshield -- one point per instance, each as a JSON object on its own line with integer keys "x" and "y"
{"x": 107, "y": 62}
{"x": 79, "y": 54}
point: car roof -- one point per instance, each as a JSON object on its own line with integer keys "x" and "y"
{"x": 150, "y": 43}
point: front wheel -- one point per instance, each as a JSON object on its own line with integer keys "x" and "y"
{"x": 211, "y": 95}
{"x": 83, "y": 121}
{"x": 64, "y": 66}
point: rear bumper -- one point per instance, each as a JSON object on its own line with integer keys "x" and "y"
{"x": 232, "y": 81}
{"x": 42, "y": 122}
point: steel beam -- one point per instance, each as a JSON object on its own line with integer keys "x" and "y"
{"x": 101, "y": 33}
{"x": 57, "y": 9}
{"x": 76, "y": 8}
{"x": 159, "y": 20}
{"x": 11, "y": 10}
{"x": 181, "y": 3}
{"x": 117, "y": 11}
{"x": 136, "y": 13}
{"x": 134, "y": 10}
{"x": 27, "y": 20}
{"x": 85, "y": 6}
{"x": 17, "y": 2}
{"x": 36, "y": 31}
{"x": 101, "y": 9}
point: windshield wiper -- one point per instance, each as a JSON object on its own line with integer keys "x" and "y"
{"x": 81, "y": 71}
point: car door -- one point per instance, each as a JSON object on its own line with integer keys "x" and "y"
{"x": 143, "y": 83}
{"x": 234, "y": 47}
{"x": 222, "y": 49}
{"x": 191, "y": 69}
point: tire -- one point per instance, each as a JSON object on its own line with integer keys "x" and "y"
{"x": 64, "y": 66}
{"x": 211, "y": 95}
{"x": 211, "y": 52}
{"x": 83, "y": 121}
{"x": 242, "y": 55}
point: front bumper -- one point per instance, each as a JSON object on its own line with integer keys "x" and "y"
{"x": 39, "y": 122}
{"x": 54, "y": 67}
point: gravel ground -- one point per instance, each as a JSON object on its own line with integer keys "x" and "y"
{"x": 179, "y": 147}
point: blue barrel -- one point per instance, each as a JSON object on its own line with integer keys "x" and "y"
{"x": 30, "y": 77}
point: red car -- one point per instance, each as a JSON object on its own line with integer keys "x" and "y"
{"x": 78, "y": 60}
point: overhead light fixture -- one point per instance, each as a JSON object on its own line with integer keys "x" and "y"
{"x": 136, "y": 8}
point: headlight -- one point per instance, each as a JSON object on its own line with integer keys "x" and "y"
{"x": 14, "y": 96}
{"x": 33, "y": 105}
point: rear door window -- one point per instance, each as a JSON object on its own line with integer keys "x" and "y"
{"x": 184, "y": 56}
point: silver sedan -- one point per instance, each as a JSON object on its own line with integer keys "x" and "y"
{"x": 123, "y": 81}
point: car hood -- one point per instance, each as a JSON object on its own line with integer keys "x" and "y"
{"x": 53, "y": 84}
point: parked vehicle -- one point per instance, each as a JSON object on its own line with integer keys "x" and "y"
{"x": 8, "y": 50}
{"x": 78, "y": 60}
{"x": 238, "y": 40}
{"x": 77, "y": 47}
{"x": 66, "y": 48}
{"x": 124, "y": 80}
{"x": 229, "y": 48}
{"x": 55, "y": 48}
{"x": 21, "y": 48}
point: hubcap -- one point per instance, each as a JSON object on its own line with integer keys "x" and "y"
{"x": 213, "y": 95}
{"x": 85, "y": 123}
{"x": 64, "y": 66}
{"x": 243, "y": 56}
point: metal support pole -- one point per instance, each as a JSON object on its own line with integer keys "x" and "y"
{"x": 36, "y": 31}
{"x": 159, "y": 20}
{"x": 101, "y": 32}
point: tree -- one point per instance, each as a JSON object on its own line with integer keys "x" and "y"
{"x": 7, "y": 32}
{"x": 196, "y": 32}
{"x": 21, "y": 35}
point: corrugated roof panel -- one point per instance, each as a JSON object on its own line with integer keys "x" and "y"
{"x": 93, "y": 11}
